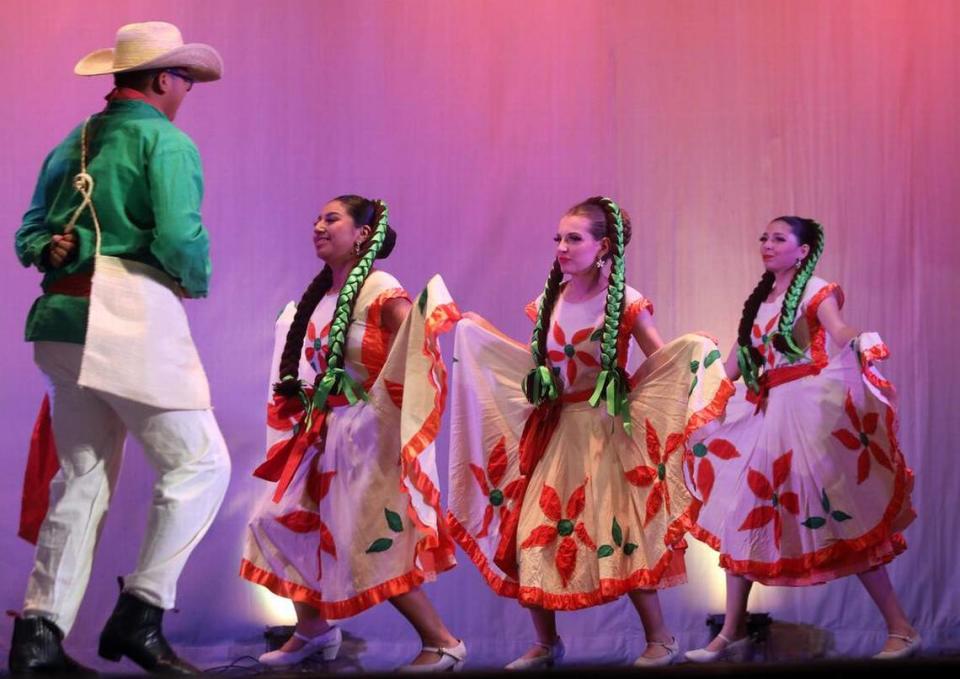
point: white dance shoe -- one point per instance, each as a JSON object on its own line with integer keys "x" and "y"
{"x": 740, "y": 650}
{"x": 553, "y": 656}
{"x": 327, "y": 643}
{"x": 911, "y": 646}
{"x": 673, "y": 652}
{"x": 450, "y": 660}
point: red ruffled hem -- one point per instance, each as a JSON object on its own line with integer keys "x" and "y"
{"x": 332, "y": 610}
{"x": 835, "y": 561}
{"x": 818, "y": 574}
{"x": 702, "y": 417}
{"x": 841, "y": 558}
{"x": 668, "y": 572}
{"x": 436, "y": 549}
{"x": 507, "y": 588}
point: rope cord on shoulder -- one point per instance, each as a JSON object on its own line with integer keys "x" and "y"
{"x": 83, "y": 183}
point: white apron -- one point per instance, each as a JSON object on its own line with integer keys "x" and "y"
{"x": 138, "y": 344}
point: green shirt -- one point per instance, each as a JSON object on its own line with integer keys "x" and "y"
{"x": 147, "y": 194}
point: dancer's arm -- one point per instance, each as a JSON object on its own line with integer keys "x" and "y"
{"x": 831, "y": 319}
{"x": 395, "y": 312}
{"x": 732, "y": 366}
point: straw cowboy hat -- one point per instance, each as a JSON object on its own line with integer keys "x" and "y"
{"x": 149, "y": 45}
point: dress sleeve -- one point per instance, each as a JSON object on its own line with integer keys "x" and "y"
{"x": 813, "y": 304}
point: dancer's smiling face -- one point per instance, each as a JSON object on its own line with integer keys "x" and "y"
{"x": 779, "y": 247}
{"x": 577, "y": 248}
{"x": 335, "y": 232}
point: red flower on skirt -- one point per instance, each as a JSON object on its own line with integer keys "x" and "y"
{"x": 570, "y": 353}
{"x": 564, "y": 528}
{"x": 859, "y": 439}
{"x": 764, "y": 490}
{"x": 705, "y": 476}
{"x": 765, "y": 335}
{"x": 655, "y": 476}
{"x": 302, "y": 521}
{"x": 489, "y": 483}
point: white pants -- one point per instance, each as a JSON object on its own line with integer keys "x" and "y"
{"x": 193, "y": 469}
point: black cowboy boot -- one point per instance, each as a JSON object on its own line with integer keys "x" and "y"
{"x": 37, "y": 648}
{"x": 134, "y": 630}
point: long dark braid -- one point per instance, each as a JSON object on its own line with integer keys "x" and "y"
{"x": 612, "y": 382}
{"x": 749, "y": 357}
{"x": 289, "y": 384}
{"x": 541, "y": 384}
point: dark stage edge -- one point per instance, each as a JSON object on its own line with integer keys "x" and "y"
{"x": 903, "y": 669}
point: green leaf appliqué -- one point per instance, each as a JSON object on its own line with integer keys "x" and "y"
{"x": 617, "y": 533}
{"x": 394, "y": 521}
{"x": 814, "y": 522}
{"x": 604, "y": 551}
{"x": 711, "y": 357}
{"x": 840, "y": 516}
{"x": 380, "y": 545}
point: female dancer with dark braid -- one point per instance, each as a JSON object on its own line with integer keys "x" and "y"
{"x": 562, "y": 504}
{"x": 355, "y": 516}
{"x": 804, "y": 481}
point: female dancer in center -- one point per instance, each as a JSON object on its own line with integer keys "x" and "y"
{"x": 358, "y": 393}
{"x": 804, "y": 481}
{"x": 560, "y": 503}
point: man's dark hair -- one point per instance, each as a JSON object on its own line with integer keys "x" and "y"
{"x": 135, "y": 80}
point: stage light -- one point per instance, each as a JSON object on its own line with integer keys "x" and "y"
{"x": 274, "y": 610}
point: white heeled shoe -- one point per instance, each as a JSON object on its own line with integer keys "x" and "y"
{"x": 911, "y": 647}
{"x": 450, "y": 660}
{"x": 327, "y": 643}
{"x": 673, "y": 651}
{"x": 553, "y": 656}
{"x": 739, "y": 651}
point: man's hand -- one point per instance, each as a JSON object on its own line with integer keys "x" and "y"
{"x": 61, "y": 249}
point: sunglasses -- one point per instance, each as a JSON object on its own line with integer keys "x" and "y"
{"x": 185, "y": 77}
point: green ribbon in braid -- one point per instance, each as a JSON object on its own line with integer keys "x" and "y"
{"x": 540, "y": 385}
{"x": 612, "y": 383}
{"x": 794, "y": 295}
{"x": 748, "y": 368}
{"x": 336, "y": 380}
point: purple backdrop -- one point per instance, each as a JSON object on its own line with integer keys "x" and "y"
{"x": 480, "y": 122}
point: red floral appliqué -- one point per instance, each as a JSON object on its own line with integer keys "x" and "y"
{"x": 705, "y": 476}
{"x": 655, "y": 476}
{"x": 859, "y": 439}
{"x": 489, "y": 483}
{"x": 765, "y": 335}
{"x": 764, "y": 490}
{"x": 543, "y": 535}
{"x": 570, "y": 353}
{"x": 303, "y": 521}
{"x": 316, "y": 350}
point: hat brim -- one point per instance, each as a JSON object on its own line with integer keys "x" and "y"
{"x": 202, "y": 62}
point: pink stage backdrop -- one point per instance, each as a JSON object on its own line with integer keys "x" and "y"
{"x": 480, "y": 123}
